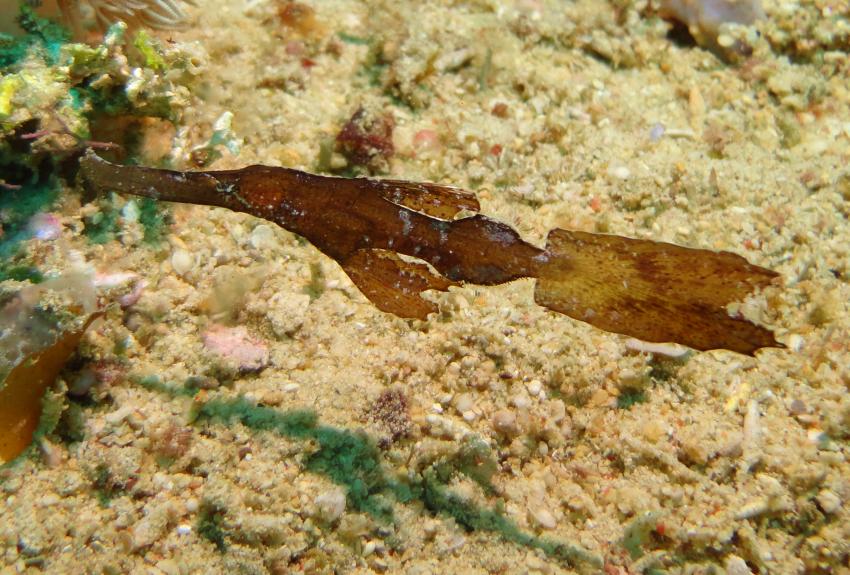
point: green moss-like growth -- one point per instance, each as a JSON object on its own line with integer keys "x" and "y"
{"x": 105, "y": 485}
{"x": 316, "y": 287}
{"x": 210, "y": 520}
{"x": 72, "y": 423}
{"x": 41, "y": 34}
{"x": 637, "y": 533}
{"x": 474, "y": 458}
{"x": 20, "y": 273}
{"x": 17, "y": 206}
{"x": 101, "y": 226}
{"x": 154, "y": 218}
{"x": 351, "y": 459}
{"x": 630, "y": 397}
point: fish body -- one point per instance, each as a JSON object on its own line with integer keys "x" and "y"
{"x": 397, "y": 239}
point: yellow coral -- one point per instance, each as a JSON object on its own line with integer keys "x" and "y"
{"x": 9, "y": 85}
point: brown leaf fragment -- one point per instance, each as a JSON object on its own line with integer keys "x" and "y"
{"x": 653, "y": 291}
{"x": 392, "y": 284}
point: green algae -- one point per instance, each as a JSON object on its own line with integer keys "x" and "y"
{"x": 155, "y": 219}
{"x": 630, "y": 397}
{"x": 18, "y": 206}
{"x": 637, "y": 533}
{"x": 41, "y": 34}
{"x": 150, "y": 49}
{"x": 102, "y": 226}
{"x": 352, "y": 459}
{"x": 209, "y": 526}
{"x": 316, "y": 286}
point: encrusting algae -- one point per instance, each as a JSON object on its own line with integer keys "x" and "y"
{"x": 650, "y": 290}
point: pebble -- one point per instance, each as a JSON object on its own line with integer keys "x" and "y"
{"x": 330, "y": 505}
{"x": 184, "y": 529}
{"x": 797, "y": 407}
{"x": 262, "y": 237}
{"x": 464, "y": 403}
{"x": 656, "y": 132}
{"x": 520, "y": 401}
{"x": 544, "y": 518}
{"x": 182, "y": 261}
{"x": 504, "y": 421}
{"x": 737, "y": 566}
{"x": 620, "y": 172}
{"x": 119, "y": 415}
{"x": 796, "y": 342}
{"x": 829, "y": 501}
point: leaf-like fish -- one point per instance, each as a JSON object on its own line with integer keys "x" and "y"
{"x": 650, "y": 290}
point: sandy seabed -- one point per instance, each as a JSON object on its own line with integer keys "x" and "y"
{"x": 496, "y": 437}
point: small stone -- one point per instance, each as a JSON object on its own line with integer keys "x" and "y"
{"x": 262, "y": 237}
{"x": 829, "y": 501}
{"x": 504, "y": 422}
{"x": 797, "y": 407}
{"x": 464, "y": 403}
{"x": 653, "y": 430}
{"x": 544, "y": 518}
{"x": 620, "y": 172}
{"x": 725, "y": 41}
{"x": 330, "y": 505}
{"x": 273, "y": 398}
{"x": 287, "y": 312}
{"x": 737, "y": 566}
{"x": 182, "y": 261}
{"x": 169, "y": 567}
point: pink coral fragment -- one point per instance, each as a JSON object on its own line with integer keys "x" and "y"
{"x": 250, "y": 353}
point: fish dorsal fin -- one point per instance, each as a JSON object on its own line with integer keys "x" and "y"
{"x": 393, "y": 284}
{"x": 434, "y": 200}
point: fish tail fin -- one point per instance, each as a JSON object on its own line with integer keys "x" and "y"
{"x": 653, "y": 291}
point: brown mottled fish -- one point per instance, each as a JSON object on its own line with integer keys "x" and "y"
{"x": 650, "y": 290}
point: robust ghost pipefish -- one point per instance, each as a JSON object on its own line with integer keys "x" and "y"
{"x": 650, "y": 290}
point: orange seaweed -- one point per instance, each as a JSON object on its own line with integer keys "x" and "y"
{"x": 23, "y": 389}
